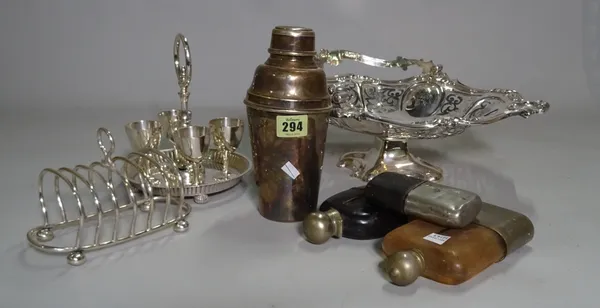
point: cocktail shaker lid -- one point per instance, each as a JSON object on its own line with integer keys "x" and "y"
{"x": 292, "y": 40}
{"x": 291, "y": 80}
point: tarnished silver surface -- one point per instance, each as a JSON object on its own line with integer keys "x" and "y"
{"x": 94, "y": 206}
{"x": 515, "y": 229}
{"x": 426, "y": 106}
{"x": 239, "y": 165}
{"x": 192, "y": 143}
{"x": 443, "y": 205}
{"x": 227, "y": 135}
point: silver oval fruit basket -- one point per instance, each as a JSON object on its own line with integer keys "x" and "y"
{"x": 426, "y": 106}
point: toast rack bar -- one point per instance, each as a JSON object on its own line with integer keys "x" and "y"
{"x": 84, "y": 184}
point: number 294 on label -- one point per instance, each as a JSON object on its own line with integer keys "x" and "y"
{"x": 292, "y": 126}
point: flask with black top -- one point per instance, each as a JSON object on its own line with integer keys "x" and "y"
{"x": 347, "y": 214}
{"x": 436, "y": 203}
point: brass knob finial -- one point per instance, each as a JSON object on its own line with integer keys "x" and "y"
{"x": 404, "y": 267}
{"x": 319, "y": 227}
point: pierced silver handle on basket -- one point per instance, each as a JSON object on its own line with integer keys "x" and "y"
{"x": 335, "y": 57}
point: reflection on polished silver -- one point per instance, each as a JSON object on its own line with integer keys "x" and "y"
{"x": 183, "y": 71}
{"x": 227, "y": 134}
{"x": 143, "y": 134}
{"x": 426, "y": 106}
{"x": 170, "y": 121}
{"x": 94, "y": 206}
{"x": 442, "y": 205}
{"x": 192, "y": 143}
{"x": 239, "y": 166}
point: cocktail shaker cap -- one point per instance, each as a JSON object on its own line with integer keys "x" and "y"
{"x": 291, "y": 40}
{"x": 290, "y": 81}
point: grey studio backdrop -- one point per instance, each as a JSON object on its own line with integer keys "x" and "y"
{"x": 104, "y": 54}
{"x": 68, "y": 67}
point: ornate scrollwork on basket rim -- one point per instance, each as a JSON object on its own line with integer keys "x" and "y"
{"x": 457, "y": 106}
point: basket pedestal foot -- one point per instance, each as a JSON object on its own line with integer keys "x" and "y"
{"x": 388, "y": 156}
{"x": 76, "y": 258}
{"x": 181, "y": 226}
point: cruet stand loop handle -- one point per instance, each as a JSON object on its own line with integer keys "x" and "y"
{"x": 183, "y": 70}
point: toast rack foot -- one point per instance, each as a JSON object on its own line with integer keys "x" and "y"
{"x": 201, "y": 198}
{"x": 45, "y": 235}
{"x": 181, "y": 226}
{"x": 388, "y": 156}
{"x": 76, "y": 258}
{"x": 145, "y": 206}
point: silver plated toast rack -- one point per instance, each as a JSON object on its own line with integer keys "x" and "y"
{"x": 105, "y": 203}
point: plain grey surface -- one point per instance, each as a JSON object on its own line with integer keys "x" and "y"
{"x": 69, "y": 67}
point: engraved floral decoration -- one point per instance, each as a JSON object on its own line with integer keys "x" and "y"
{"x": 426, "y": 106}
